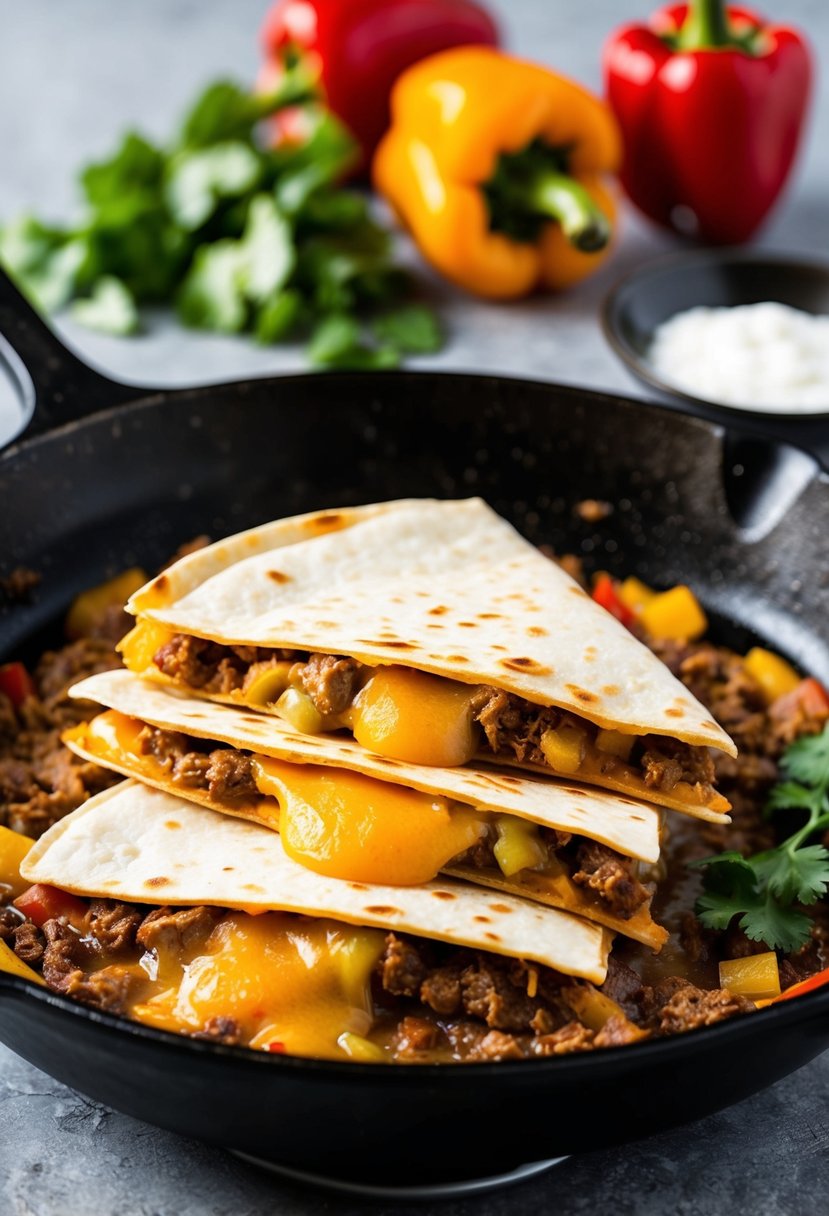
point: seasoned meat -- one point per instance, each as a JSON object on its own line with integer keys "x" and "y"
{"x": 571, "y": 1037}
{"x": 676, "y": 1005}
{"x": 413, "y": 1038}
{"x": 441, "y": 989}
{"x": 610, "y": 876}
{"x": 330, "y": 682}
{"x": 498, "y": 1046}
{"x": 624, "y": 986}
{"x": 10, "y": 919}
{"x": 109, "y": 989}
{"x": 200, "y": 663}
{"x": 665, "y": 762}
{"x": 616, "y": 1032}
{"x": 65, "y": 954}
{"x": 28, "y": 943}
{"x": 488, "y": 993}
{"x": 224, "y": 772}
{"x": 220, "y": 1030}
{"x": 173, "y": 930}
{"x": 112, "y": 925}
{"x": 402, "y": 969}
{"x": 230, "y": 775}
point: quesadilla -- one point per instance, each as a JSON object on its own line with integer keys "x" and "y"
{"x": 347, "y": 813}
{"x": 434, "y": 633}
{"x": 138, "y": 844}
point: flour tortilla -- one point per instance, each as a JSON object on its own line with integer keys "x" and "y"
{"x": 444, "y": 587}
{"x": 137, "y": 844}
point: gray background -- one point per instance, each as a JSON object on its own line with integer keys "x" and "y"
{"x": 72, "y": 75}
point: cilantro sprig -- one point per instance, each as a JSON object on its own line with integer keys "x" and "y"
{"x": 240, "y": 237}
{"x": 764, "y": 890}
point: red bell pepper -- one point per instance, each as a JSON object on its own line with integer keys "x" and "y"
{"x": 42, "y": 902}
{"x": 711, "y": 101}
{"x": 358, "y": 48}
{"x": 606, "y": 593}
{"x": 16, "y": 683}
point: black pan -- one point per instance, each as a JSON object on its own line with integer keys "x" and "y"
{"x": 124, "y": 475}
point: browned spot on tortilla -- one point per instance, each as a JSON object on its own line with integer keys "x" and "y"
{"x": 194, "y": 713}
{"x": 227, "y": 869}
{"x": 576, "y": 591}
{"x": 522, "y": 663}
{"x": 438, "y": 610}
{"x": 709, "y": 725}
{"x": 358, "y": 886}
{"x": 503, "y": 908}
{"x": 156, "y": 882}
{"x": 172, "y": 824}
{"x": 253, "y": 886}
{"x": 326, "y": 624}
{"x": 382, "y": 910}
{"x": 279, "y": 576}
{"x": 434, "y": 625}
{"x": 506, "y": 779}
{"x": 252, "y": 720}
{"x": 536, "y": 631}
{"x": 328, "y": 519}
{"x": 385, "y": 760}
{"x": 571, "y": 789}
{"x": 468, "y": 624}
{"x": 385, "y": 642}
{"x": 489, "y": 616}
{"x": 611, "y": 690}
{"x": 493, "y": 937}
{"x": 457, "y": 658}
{"x": 581, "y": 694}
{"x": 444, "y": 895}
{"x": 495, "y": 646}
{"x": 483, "y": 920}
{"x": 675, "y": 713}
{"x": 160, "y": 583}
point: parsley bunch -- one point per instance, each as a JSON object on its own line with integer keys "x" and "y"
{"x": 763, "y": 890}
{"x": 240, "y": 237}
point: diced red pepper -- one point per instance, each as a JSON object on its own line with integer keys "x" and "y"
{"x": 277, "y": 1047}
{"x": 605, "y": 593}
{"x": 810, "y": 697}
{"x": 42, "y": 902}
{"x": 809, "y": 985}
{"x": 16, "y": 683}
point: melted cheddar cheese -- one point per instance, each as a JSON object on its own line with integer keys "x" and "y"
{"x": 290, "y": 984}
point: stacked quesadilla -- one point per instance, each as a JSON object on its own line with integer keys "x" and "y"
{"x": 381, "y": 716}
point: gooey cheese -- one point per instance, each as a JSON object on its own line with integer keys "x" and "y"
{"x": 291, "y": 984}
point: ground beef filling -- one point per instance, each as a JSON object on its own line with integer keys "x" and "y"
{"x": 431, "y": 1001}
{"x": 226, "y": 774}
{"x": 512, "y": 727}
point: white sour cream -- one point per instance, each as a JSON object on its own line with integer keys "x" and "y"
{"x": 757, "y": 356}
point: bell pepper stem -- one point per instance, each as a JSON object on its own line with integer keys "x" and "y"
{"x": 562, "y": 198}
{"x": 705, "y": 26}
{"x": 297, "y": 86}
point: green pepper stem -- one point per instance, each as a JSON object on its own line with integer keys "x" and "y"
{"x": 705, "y": 26}
{"x": 562, "y": 198}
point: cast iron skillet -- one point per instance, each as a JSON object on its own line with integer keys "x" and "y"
{"x": 124, "y": 475}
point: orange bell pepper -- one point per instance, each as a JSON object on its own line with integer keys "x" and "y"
{"x": 496, "y": 166}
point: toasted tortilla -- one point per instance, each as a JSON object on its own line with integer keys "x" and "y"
{"x": 631, "y": 828}
{"x": 140, "y": 845}
{"x": 443, "y": 587}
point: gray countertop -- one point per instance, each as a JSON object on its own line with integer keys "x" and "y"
{"x": 71, "y": 77}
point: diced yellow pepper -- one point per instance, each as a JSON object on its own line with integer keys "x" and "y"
{"x": 775, "y": 676}
{"x": 297, "y": 708}
{"x": 13, "y": 848}
{"x": 141, "y": 643}
{"x": 615, "y": 742}
{"x": 756, "y": 977}
{"x": 12, "y": 965}
{"x": 674, "y": 614}
{"x": 268, "y": 684}
{"x": 563, "y": 748}
{"x": 635, "y": 594}
{"x": 360, "y": 1049}
{"x": 86, "y": 610}
{"x": 519, "y": 845}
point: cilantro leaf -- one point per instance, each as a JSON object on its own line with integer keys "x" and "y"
{"x": 807, "y": 760}
{"x": 413, "y": 329}
{"x": 136, "y": 166}
{"x": 269, "y": 249}
{"x": 110, "y": 308}
{"x": 212, "y": 295}
{"x": 198, "y": 180}
{"x": 338, "y": 342}
{"x": 763, "y": 890}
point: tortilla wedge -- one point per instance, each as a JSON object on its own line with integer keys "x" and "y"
{"x": 140, "y": 845}
{"x": 629, "y": 827}
{"x": 447, "y": 588}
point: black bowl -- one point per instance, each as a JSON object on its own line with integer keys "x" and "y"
{"x": 647, "y": 297}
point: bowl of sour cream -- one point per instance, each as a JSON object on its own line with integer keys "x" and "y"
{"x": 726, "y": 330}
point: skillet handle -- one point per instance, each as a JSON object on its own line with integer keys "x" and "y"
{"x": 54, "y": 386}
